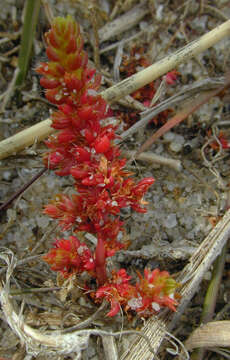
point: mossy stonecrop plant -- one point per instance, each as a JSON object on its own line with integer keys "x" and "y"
{"x": 84, "y": 148}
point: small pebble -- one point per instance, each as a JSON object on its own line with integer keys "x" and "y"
{"x": 169, "y": 136}
{"x": 6, "y": 175}
{"x": 170, "y": 221}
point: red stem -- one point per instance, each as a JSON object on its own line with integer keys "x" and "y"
{"x": 100, "y": 262}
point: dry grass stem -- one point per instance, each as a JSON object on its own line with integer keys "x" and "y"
{"x": 165, "y": 250}
{"x": 212, "y": 334}
{"x": 214, "y": 12}
{"x": 154, "y": 158}
{"x": 27, "y": 137}
{"x": 22, "y": 262}
{"x": 110, "y": 348}
{"x": 48, "y": 11}
{"x": 87, "y": 322}
{"x": 127, "y": 40}
{"x": 9, "y": 92}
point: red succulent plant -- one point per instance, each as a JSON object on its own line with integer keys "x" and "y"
{"x": 84, "y": 148}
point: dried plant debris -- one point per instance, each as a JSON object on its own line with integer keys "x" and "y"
{"x": 190, "y": 196}
{"x": 211, "y": 335}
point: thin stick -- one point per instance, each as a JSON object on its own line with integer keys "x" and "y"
{"x": 123, "y": 22}
{"x": 186, "y": 92}
{"x": 5, "y": 205}
{"x": 87, "y": 322}
{"x": 154, "y": 158}
{"x": 9, "y": 92}
{"x": 125, "y": 87}
{"x": 48, "y": 11}
{"x": 33, "y": 290}
{"x": 23, "y": 261}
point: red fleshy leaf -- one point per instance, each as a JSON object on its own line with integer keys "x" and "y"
{"x": 102, "y": 144}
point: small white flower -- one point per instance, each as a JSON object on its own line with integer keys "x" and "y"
{"x": 135, "y": 303}
{"x": 156, "y": 306}
{"x": 81, "y": 249}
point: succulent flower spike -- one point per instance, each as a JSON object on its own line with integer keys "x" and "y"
{"x": 84, "y": 148}
{"x": 66, "y": 76}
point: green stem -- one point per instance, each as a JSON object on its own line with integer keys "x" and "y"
{"x": 213, "y": 289}
{"x": 32, "y": 8}
{"x": 211, "y": 296}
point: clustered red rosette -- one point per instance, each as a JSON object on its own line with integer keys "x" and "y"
{"x": 153, "y": 291}
{"x": 84, "y": 148}
{"x": 70, "y": 256}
